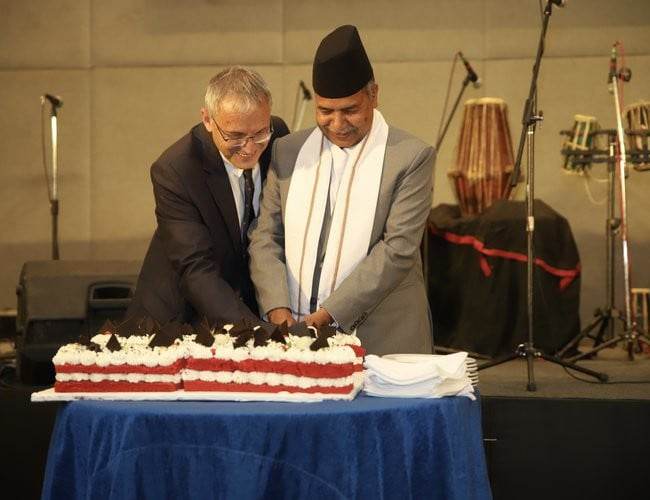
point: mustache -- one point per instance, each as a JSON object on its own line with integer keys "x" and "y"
{"x": 345, "y": 131}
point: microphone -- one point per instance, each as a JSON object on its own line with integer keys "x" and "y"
{"x": 306, "y": 94}
{"x": 559, "y": 3}
{"x": 56, "y": 101}
{"x": 471, "y": 74}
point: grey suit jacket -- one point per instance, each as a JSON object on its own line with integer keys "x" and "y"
{"x": 384, "y": 298}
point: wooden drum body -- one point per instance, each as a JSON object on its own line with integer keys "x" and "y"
{"x": 637, "y": 120}
{"x": 484, "y": 157}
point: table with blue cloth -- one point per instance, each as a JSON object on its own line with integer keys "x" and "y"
{"x": 366, "y": 448}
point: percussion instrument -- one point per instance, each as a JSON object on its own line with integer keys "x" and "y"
{"x": 581, "y": 138}
{"x": 484, "y": 156}
{"x": 640, "y": 306}
{"x": 637, "y": 119}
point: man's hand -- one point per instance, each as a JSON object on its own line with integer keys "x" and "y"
{"x": 319, "y": 318}
{"x": 280, "y": 315}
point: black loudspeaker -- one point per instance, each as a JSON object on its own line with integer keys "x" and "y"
{"x": 58, "y": 300}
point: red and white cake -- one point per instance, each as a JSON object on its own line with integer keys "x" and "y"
{"x": 234, "y": 358}
{"x": 111, "y": 363}
{"x": 276, "y": 363}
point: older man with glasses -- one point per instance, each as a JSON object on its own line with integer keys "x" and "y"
{"x": 206, "y": 188}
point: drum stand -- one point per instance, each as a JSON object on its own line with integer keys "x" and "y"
{"x": 528, "y": 351}
{"x": 631, "y": 335}
{"x": 604, "y": 317}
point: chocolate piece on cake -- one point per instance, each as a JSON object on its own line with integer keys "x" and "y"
{"x": 239, "y": 327}
{"x": 323, "y": 333}
{"x": 279, "y": 333}
{"x": 186, "y": 329}
{"x": 92, "y": 346}
{"x": 243, "y": 338}
{"x": 148, "y": 326}
{"x": 301, "y": 330}
{"x": 174, "y": 329}
{"x": 261, "y": 337}
{"x": 113, "y": 344}
{"x": 204, "y": 335}
{"x": 164, "y": 337}
{"x": 136, "y": 325}
{"x": 108, "y": 328}
{"x": 218, "y": 326}
{"x": 84, "y": 340}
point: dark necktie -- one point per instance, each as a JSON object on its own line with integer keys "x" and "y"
{"x": 249, "y": 212}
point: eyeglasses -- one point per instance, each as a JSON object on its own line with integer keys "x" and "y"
{"x": 239, "y": 142}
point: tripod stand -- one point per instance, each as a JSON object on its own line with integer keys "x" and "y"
{"x": 528, "y": 351}
{"x": 604, "y": 317}
{"x": 631, "y": 335}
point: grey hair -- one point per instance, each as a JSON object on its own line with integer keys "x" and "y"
{"x": 245, "y": 84}
{"x": 370, "y": 87}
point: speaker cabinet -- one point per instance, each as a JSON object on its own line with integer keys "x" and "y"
{"x": 59, "y": 300}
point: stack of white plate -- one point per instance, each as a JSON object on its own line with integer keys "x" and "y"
{"x": 472, "y": 370}
{"x": 470, "y": 363}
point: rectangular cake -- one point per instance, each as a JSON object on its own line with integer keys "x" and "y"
{"x": 255, "y": 362}
{"x": 112, "y": 363}
{"x": 242, "y": 358}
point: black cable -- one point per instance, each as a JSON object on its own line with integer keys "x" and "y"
{"x": 444, "y": 108}
{"x": 618, "y": 382}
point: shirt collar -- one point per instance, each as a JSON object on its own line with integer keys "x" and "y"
{"x": 231, "y": 169}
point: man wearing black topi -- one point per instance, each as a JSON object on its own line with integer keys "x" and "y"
{"x": 207, "y": 187}
{"x": 343, "y": 212}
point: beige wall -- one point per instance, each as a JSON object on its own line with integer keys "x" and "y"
{"x": 132, "y": 73}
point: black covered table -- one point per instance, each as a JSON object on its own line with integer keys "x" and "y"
{"x": 477, "y": 278}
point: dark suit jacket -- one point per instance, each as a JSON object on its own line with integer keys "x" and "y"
{"x": 196, "y": 265}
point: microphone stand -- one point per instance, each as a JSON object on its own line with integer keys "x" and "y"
{"x": 302, "y": 97}
{"x": 425, "y": 238}
{"x": 52, "y": 190}
{"x": 464, "y": 85}
{"x": 527, "y": 350}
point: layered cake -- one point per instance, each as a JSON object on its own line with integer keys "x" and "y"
{"x": 115, "y": 363}
{"x": 244, "y": 357}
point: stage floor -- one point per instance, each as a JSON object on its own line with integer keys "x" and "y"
{"x": 627, "y": 379}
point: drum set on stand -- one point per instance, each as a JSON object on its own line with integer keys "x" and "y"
{"x": 586, "y": 144}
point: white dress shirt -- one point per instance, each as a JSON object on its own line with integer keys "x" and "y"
{"x": 342, "y": 158}
{"x": 236, "y": 177}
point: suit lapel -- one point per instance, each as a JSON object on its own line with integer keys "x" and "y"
{"x": 219, "y": 185}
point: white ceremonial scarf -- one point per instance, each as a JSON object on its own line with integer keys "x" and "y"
{"x": 309, "y": 188}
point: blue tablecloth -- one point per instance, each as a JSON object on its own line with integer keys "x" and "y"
{"x": 369, "y": 448}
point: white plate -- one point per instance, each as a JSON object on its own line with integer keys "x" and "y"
{"x": 412, "y": 358}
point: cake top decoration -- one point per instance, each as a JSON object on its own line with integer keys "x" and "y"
{"x": 108, "y": 327}
{"x": 279, "y": 333}
{"x": 324, "y": 332}
{"x": 203, "y": 334}
{"x": 113, "y": 344}
{"x": 301, "y": 330}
